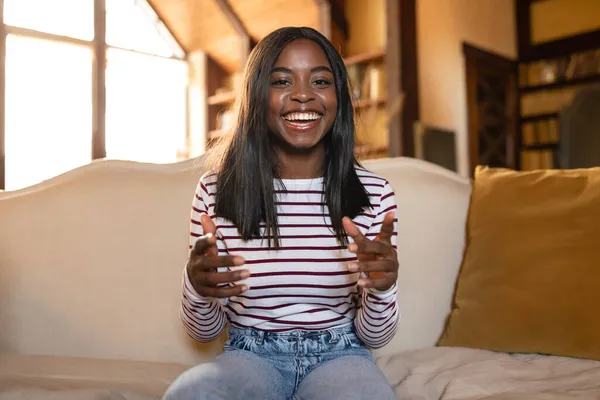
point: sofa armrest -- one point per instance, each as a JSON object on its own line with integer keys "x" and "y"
{"x": 432, "y": 209}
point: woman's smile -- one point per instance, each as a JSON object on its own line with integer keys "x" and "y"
{"x": 302, "y": 121}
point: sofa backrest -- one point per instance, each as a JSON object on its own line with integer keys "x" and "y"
{"x": 91, "y": 261}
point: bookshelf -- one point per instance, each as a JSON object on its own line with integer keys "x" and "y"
{"x": 546, "y": 86}
{"x": 222, "y": 88}
{"x": 367, "y": 75}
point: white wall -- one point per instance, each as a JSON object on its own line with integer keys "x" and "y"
{"x": 442, "y": 26}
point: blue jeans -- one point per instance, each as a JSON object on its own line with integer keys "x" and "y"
{"x": 298, "y": 365}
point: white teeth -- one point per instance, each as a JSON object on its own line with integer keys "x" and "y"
{"x": 302, "y": 116}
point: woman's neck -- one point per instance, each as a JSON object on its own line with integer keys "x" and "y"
{"x": 301, "y": 165}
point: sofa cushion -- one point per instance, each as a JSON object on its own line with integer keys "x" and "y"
{"x": 37, "y": 376}
{"x": 530, "y": 278}
{"x": 453, "y": 373}
{"x": 31, "y": 393}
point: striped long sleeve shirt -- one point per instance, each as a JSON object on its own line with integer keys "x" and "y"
{"x": 306, "y": 283}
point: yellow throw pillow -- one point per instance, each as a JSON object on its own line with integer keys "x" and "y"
{"x": 530, "y": 278}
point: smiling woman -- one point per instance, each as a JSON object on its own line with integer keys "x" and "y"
{"x": 292, "y": 240}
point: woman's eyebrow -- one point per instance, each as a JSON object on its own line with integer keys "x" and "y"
{"x": 282, "y": 69}
{"x": 287, "y": 70}
{"x": 321, "y": 69}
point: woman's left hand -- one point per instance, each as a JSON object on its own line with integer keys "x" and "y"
{"x": 377, "y": 258}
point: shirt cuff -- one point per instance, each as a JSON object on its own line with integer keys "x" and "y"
{"x": 190, "y": 292}
{"x": 384, "y": 293}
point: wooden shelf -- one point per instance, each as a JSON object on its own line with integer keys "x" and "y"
{"x": 540, "y": 146}
{"x": 560, "y": 84}
{"x": 364, "y": 103}
{"x": 539, "y": 117}
{"x": 365, "y": 57}
{"x": 221, "y": 98}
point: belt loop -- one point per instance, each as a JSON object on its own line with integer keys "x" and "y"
{"x": 260, "y": 337}
{"x": 334, "y": 335}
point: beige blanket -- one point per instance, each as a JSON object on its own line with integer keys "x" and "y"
{"x": 460, "y": 374}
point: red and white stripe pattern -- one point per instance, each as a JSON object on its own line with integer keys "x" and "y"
{"x": 305, "y": 284}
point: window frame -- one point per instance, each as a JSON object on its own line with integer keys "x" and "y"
{"x": 99, "y": 48}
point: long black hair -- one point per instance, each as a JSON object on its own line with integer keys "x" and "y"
{"x": 247, "y": 162}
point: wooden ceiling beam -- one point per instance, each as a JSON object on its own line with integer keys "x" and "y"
{"x": 240, "y": 29}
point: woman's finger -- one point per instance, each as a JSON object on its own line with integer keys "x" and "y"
{"x": 371, "y": 247}
{"x": 211, "y": 262}
{"x": 209, "y": 246}
{"x": 387, "y": 228}
{"x": 353, "y": 231}
{"x": 216, "y": 278}
{"x": 204, "y": 243}
{"x": 222, "y": 292}
{"x": 373, "y": 266}
{"x": 208, "y": 226}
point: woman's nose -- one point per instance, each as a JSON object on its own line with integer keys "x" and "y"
{"x": 302, "y": 93}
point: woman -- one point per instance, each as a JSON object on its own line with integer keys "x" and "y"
{"x": 292, "y": 242}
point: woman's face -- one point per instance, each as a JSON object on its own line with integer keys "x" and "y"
{"x": 302, "y": 99}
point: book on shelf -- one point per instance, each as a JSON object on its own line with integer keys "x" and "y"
{"x": 540, "y": 132}
{"x": 537, "y": 159}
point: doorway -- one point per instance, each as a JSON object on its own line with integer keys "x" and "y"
{"x": 492, "y": 108}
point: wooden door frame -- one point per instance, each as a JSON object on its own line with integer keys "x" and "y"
{"x": 477, "y": 58}
{"x": 402, "y": 72}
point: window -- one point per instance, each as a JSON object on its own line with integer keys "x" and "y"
{"x": 146, "y": 104}
{"x": 48, "y": 127}
{"x": 48, "y": 109}
{"x": 72, "y": 18}
{"x": 133, "y": 25}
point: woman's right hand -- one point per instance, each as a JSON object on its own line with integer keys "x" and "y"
{"x": 203, "y": 264}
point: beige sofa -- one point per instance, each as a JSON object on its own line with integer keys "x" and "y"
{"x": 90, "y": 274}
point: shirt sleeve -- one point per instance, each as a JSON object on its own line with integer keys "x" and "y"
{"x": 204, "y": 319}
{"x": 377, "y": 319}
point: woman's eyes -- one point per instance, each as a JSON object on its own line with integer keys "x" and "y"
{"x": 280, "y": 82}
{"x": 285, "y": 82}
{"x": 320, "y": 82}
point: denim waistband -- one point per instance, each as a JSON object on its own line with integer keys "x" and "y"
{"x": 299, "y": 333}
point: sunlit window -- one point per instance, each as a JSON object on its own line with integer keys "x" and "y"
{"x": 145, "y": 107}
{"x": 73, "y": 18}
{"x": 48, "y": 109}
{"x": 130, "y": 25}
{"x": 49, "y": 89}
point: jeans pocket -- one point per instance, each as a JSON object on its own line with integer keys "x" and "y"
{"x": 240, "y": 342}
